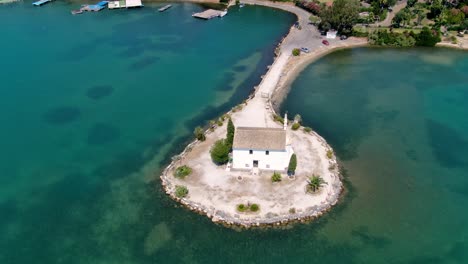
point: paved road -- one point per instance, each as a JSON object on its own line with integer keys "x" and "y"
{"x": 388, "y": 20}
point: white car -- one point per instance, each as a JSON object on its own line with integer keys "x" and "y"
{"x": 306, "y": 50}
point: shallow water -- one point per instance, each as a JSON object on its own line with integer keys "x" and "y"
{"x": 93, "y": 105}
{"x": 397, "y": 120}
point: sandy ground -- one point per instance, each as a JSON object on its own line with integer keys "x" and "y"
{"x": 462, "y": 43}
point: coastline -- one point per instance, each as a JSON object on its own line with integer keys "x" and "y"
{"x": 275, "y": 83}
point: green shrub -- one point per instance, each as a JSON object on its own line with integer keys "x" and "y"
{"x": 296, "y": 126}
{"x": 307, "y": 129}
{"x": 220, "y": 152}
{"x": 278, "y": 118}
{"x": 219, "y": 122}
{"x": 329, "y": 153}
{"x": 199, "y": 134}
{"x": 182, "y": 171}
{"x": 241, "y": 207}
{"x": 314, "y": 183}
{"x": 427, "y": 38}
{"x": 254, "y": 207}
{"x": 292, "y": 164}
{"x": 181, "y": 191}
{"x": 276, "y": 177}
{"x": 292, "y": 210}
{"x": 296, "y": 52}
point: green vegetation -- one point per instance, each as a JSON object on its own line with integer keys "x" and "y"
{"x": 278, "y": 118}
{"x": 292, "y": 210}
{"x": 182, "y": 172}
{"x": 248, "y": 207}
{"x": 241, "y": 207}
{"x": 296, "y": 52}
{"x": 181, "y": 191}
{"x": 230, "y": 133}
{"x": 407, "y": 38}
{"x": 307, "y": 129}
{"x": 341, "y": 16}
{"x": 428, "y": 38}
{"x": 276, "y": 177}
{"x": 199, "y": 134}
{"x": 296, "y": 126}
{"x": 220, "y": 152}
{"x": 254, "y": 207}
{"x": 314, "y": 183}
{"x": 329, "y": 154}
{"x": 292, "y": 164}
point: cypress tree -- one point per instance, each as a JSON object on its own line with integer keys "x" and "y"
{"x": 230, "y": 133}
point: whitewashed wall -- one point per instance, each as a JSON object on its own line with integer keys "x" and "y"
{"x": 276, "y": 160}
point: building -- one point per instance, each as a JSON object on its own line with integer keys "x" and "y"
{"x": 256, "y": 148}
{"x": 331, "y": 34}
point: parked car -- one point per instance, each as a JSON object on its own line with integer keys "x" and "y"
{"x": 323, "y": 33}
{"x": 343, "y": 37}
{"x": 325, "y": 42}
{"x": 306, "y": 50}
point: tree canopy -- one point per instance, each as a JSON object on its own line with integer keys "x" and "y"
{"x": 342, "y": 15}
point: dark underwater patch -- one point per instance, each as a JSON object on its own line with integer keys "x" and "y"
{"x": 366, "y": 237}
{"x": 449, "y": 147}
{"x": 143, "y": 63}
{"x": 226, "y": 82}
{"x": 240, "y": 68}
{"x": 102, "y": 133}
{"x": 62, "y": 115}
{"x": 99, "y": 92}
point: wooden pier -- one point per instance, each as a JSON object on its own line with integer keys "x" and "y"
{"x": 209, "y": 14}
{"x": 164, "y": 8}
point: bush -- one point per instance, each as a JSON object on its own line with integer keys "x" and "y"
{"x": 199, "y": 134}
{"x": 296, "y": 126}
{"x": 220, "y": 152}
{"x": 296, "y": 52}
{"x": 254, "y": 207}
{"x": 292, "y": 210}
{"x": 427, "y": 38}
{"x": 241, "y": 207}
{"x": 276, "y": 177}
{"x": 292, "y": 164}
{"x": 329, "y": 154}
{"x": 182, "y": 171}
{"x": 181, "y": 191}
{"x": 278, "y": 118}
{"x": 307, "y": 129}
{"x": 393, "y": 39}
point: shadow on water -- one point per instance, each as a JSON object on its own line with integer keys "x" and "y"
{"x": 448, "y": 146}
{"x": 99, "y": 92}
{"x": 143, "y": 63}
{"x": 62, "y": 115}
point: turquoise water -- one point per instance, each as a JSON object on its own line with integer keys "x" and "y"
{"x": 398, "y": 121}
{"x": 93, "y": 106}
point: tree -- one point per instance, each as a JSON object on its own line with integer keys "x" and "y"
{"x": 220, "y": 152}
{"x": 182, "y": 171}
{"x": 230, "y": 133}
{"x": 454, "y": 16}
{"x": 342, "y": 15}
{"x": 296, "y": 52}
{"x": 199, "y": 134}
{"x": 315, "y": 182}
{"x": 427, "y": 38}
{"x": 292, "y": 164}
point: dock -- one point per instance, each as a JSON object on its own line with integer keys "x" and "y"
{"x": 164, "y": 8}
{"x": 41, "y": 2}
{"x": 95, "y": 8}
{"x": 114, "y": 4}
{"x": 209, "y": 14}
